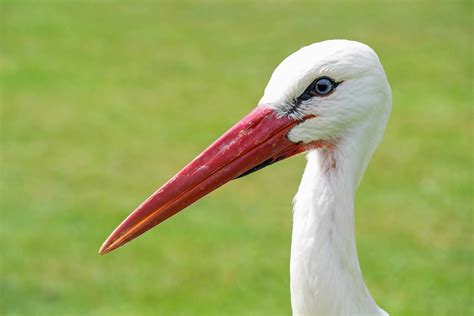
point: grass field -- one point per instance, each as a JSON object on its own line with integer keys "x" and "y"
{"x": 101, "y": 102}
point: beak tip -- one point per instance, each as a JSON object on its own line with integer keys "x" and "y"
{"x": 107, "y": 247}
{"x": 103, "y": 250}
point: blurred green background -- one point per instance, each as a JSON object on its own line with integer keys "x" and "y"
{"x": 102, "y": 102}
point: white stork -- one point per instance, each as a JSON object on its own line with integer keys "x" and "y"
{"x": 329, "y": 99}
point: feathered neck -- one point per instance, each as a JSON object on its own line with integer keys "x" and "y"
{"x": 325, "y": 274}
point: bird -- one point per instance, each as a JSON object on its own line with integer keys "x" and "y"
{"x": 331, "y": 100}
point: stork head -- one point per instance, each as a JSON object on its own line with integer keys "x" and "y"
{"x": 339, "y": 82}
{"x": 321, "y": 93}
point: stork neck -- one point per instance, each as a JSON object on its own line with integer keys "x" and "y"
{"x": 325, "y": 274}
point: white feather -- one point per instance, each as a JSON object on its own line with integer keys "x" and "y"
{"x": 325, "y": 274}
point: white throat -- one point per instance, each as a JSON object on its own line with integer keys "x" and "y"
{"x": 325, "y": 274}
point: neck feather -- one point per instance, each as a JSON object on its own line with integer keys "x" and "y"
{"x": 325, "y": 274}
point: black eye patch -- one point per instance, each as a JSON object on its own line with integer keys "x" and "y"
{"x": 320, "y": 87}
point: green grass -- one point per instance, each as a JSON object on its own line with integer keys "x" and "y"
{"x": 101, "y": 102}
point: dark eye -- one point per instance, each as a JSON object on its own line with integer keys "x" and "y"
{"x": 323, "y": 86}
{"x": 320, "y": 87}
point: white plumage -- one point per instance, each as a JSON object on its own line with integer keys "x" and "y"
{"x": 331, "y": 99}
{"x": 325, "y": 275}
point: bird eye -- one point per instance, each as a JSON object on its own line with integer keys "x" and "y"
{"x": 323, "y": 86}
{"x": 320, "y": 87}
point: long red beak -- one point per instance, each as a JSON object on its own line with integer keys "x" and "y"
{"x": 258, "y": 140}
